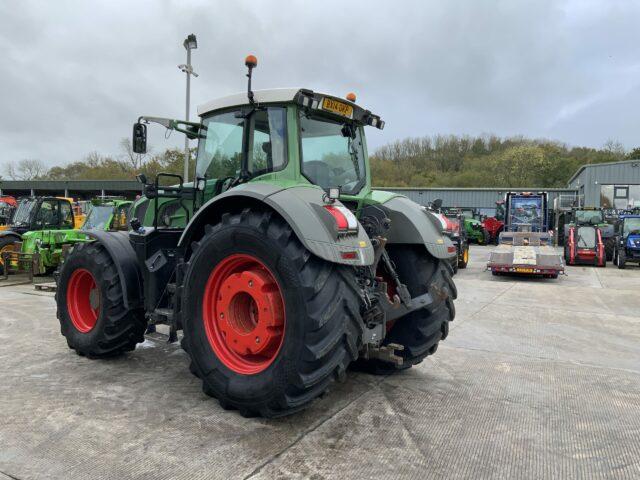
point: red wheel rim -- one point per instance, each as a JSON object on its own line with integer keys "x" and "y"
{"x": 243, "y": 314}
{"x": 83, "y": 300}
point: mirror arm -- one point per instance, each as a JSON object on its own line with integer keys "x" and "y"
{"x": 190, "y": 129}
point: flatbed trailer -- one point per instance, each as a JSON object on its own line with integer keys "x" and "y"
{"x": 525, "y": 253}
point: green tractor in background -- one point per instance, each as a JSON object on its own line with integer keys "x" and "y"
{"x": 279, "y": 263}
{"x": 475, "y": 231}
{"x": 40, "y": 249}
{"x": 33, "y": 215}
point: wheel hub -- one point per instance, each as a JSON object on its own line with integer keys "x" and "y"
{"x": 83, "y": 300}
{"x": 249, "y": 311}
{"x": 243, "y": 313}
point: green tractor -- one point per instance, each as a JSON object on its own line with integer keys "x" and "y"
{"x": 32, "y": 217}
{"x": 279, "y": 263}
{"x": 40, "y": 249}
{"x": 475, "y": 231}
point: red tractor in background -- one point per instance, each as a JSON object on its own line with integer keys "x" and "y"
{"x": 7, "y": 207}
{"x": 494, "y": 225}
{"x": 584, "y": 245}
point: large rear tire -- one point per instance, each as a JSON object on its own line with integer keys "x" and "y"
{"x": 90, "y": 304}
{"x": 420, "y": 331}
{"x": 307, "y": 307}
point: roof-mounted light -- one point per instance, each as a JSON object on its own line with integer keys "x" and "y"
{"x": 351, "y": 97}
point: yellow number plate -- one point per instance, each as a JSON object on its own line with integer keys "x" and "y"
{"x": 524, "y": 270}
{"x": 334, "y": 106}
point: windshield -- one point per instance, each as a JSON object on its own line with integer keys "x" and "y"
{"x": 98, "y": 218}
{"x": 329, "y": 158}
{"x": 631, "y": 225}
{"x": 586, "y": 237}
{"x": 23, "y": 212}
{"x": 589, "y": 216}
{"x": 220, "y": 148}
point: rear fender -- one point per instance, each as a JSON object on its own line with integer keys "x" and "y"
{"x": 9, "y": 233}
{"x": 411, "y": 224}
{"x": 301, "y": 207}
{"x": 119, "y": 247}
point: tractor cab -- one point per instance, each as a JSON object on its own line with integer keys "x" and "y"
{"x": 109, "y": 215}
{"x": 42, "y": 213}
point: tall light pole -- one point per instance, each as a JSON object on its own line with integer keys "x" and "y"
{"x": 190, "y": 43}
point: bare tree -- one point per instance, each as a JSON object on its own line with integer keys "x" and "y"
{"x": 26, "y": 169}
{"x": 615, "y": 148}
{"x": 130, "y": 158}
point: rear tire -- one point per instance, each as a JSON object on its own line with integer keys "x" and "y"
{"x": 90, "y": 304}
{"x": 319, "y": 327}
{"x": 621, "y": 259}
{"x": 609, "y": 248}
{"x": 422, "y": 330}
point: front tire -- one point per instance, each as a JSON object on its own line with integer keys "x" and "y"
{"x": 621, "y": 259}
{"x": 90, "y": 304}
{"x": 420, "y": 331}
{"x": 464, "y": 261}
{"x": 312, "y": 312}
{"x": 7, "y": 244}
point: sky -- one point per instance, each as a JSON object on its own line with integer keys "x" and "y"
{"x": 75, "y": 76}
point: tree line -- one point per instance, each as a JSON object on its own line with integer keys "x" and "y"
{"x": 429, "y": 161}
{"x": 485, "y": 161}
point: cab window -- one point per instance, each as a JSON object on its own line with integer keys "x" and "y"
{"x": 269, "y": 152}
{"x": 220, "y": 147}
{"x": 66, "y": 215}
{"x": 48, "y": 214}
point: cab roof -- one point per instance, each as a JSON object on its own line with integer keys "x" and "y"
{"x": 260, "y": 96}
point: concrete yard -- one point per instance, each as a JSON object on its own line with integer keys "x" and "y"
{"x": 538, "y": 379}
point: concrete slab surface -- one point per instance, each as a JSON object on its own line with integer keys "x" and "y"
{"x": 538, "y": 379}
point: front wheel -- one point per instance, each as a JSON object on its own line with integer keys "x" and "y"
{"x": 464, "y": 260}
{"x": 621, "y": 259}
{"x": 91, "y": 309}
{"x": 7, "y": 244}
{"x": 267, "y": 324}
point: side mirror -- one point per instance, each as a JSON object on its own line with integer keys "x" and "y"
{"x": 139, "y": 138}
{"x": 142, "y": 178}
{"x": 437, "y": 203}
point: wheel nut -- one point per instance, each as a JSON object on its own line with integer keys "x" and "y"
{"x": 221, "y": 314}
{"x": 257, "y": 339}
{"x": 251, "y": 283}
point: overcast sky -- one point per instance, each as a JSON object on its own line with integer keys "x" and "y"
{"x": 74, "y": 76}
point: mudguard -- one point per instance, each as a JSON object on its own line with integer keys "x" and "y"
{"x": 411, "y": 224}
{"x": 119, "y": 248}
{"x": 302, "y": 208}
{"x": 9, "y": 233}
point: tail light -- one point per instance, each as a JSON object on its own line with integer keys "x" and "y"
{"x": 346, "y": 222}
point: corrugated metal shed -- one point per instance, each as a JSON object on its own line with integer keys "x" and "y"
{"x": 588, "y": 179}
{"x": 482, "y": 198}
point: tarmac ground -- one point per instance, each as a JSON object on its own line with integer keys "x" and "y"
{"x": 539, "y": 378}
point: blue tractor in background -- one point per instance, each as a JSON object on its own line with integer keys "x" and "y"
{"x": 627, "y": 241}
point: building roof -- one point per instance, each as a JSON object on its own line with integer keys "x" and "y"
{"x": 584, "y": 167}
